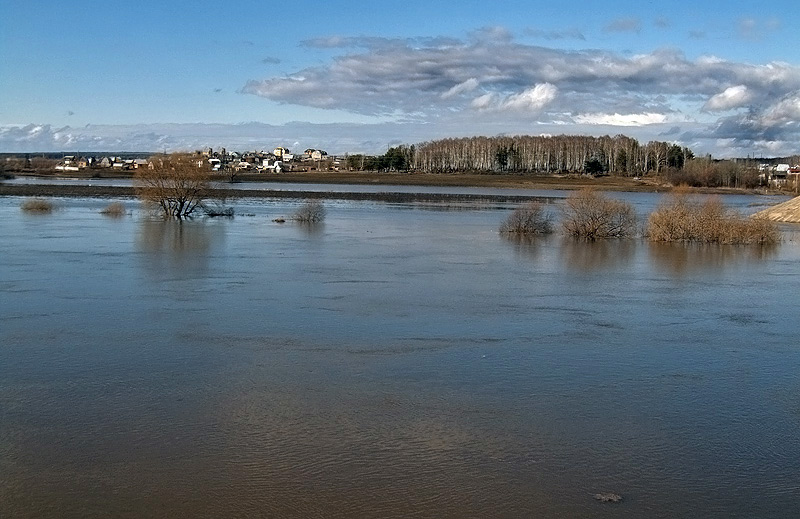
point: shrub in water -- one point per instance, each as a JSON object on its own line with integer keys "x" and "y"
{"x": 680, "y": 219}
{"x": 311, "y": 212}
{"x": 37, "y": 205}
{"x": 528, "y": 219}
{"x": 592, "y": 216}
{"x": 114, "y": 210}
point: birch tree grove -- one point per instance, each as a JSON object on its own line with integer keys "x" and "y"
{"x": 618, "y": 155}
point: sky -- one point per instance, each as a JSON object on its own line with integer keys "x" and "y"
{"x": 721, "y": 77}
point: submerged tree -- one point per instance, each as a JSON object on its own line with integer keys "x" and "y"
{"x": 176, "y": 184}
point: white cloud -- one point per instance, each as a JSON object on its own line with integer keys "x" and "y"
{"x": 621, "y": 119}
{"x": 483, "y": 102}
{"x": 732, "y": 97}
{"x": 425, "y": 79}
{"x": 466, "y": 86}
{"x": 532, "y": 99}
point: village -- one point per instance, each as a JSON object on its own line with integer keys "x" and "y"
{"x": 779, "y": 175}
{"x": 278, "y": 160}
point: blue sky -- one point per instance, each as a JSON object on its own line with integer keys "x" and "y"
{"x": 720, "y": 77}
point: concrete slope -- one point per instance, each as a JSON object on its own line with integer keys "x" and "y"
{"x": 788, "y": 211}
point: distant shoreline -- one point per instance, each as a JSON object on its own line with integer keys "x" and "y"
{"x": 503, "y": 181}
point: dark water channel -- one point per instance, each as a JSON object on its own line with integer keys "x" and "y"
{"x": 396, "y": 361}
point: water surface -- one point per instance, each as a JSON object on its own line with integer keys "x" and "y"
{"x": 399, "y": 360}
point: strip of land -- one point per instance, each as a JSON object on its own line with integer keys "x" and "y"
{"x": 60, "y": 190}
{"x": 550, "y": 182}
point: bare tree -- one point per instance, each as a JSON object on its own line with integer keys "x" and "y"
{"x": 619, "y": 155}
{"x": 311, "y": 212}
{"x": 176, "y": 184}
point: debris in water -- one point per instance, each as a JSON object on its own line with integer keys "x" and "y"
{"x": 608, "y": 497}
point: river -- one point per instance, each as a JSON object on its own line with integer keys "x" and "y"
{"x": 397, "y": 360}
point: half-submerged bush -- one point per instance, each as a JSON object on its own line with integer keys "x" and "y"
{"x": 114, "y": 210}
{"x": 681, "y": 219}
{"x": 527, "y": 220}
{"x": 37, "y": 205}
{"x": 591, "y": 215}
{"x": 311, "y": 212}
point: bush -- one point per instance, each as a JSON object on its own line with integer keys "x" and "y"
{"x": 528, "y": 219}
{"x": 37, "y": 205}
{"x": 680, "y": 219}
{"x": 592, "y": 216}
{"x": 114, "y": 210}
{"x": 311, "y": 212}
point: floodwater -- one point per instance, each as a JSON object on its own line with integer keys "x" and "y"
{"x": 398, "y": 360}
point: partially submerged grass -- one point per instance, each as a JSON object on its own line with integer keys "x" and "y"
{"x": 591, "y": 215}
{"x": 528, "y": 220}
{"x": 114, "y": 210}
{"x": 37, "y": 205}
{"x": 681, "y": 219}
{"x": 311, "y": 212}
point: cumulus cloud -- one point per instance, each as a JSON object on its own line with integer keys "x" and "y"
{"x": 732, "y": 97}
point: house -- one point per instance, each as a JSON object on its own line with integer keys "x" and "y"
{"x": 779, "y": 174}
{"x": 315, "y": 154}
{"x": 243, "y": 166}
{"x": 793, "y": 176}
{"x": 68, "y": 163}
{"x": 280, "y": 151}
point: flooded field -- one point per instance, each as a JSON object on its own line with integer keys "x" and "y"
{"x": 398, "y": 360}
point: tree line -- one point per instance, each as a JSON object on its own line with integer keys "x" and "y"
{"x": 618, "y": 155}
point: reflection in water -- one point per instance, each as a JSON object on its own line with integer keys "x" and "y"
{"x": 178, "y": 248}
{"x": 683, "y": 258}
{"x": 531, "y": 247}
{"x": 311, "y": 229}
{"x": 590, "y": 256}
